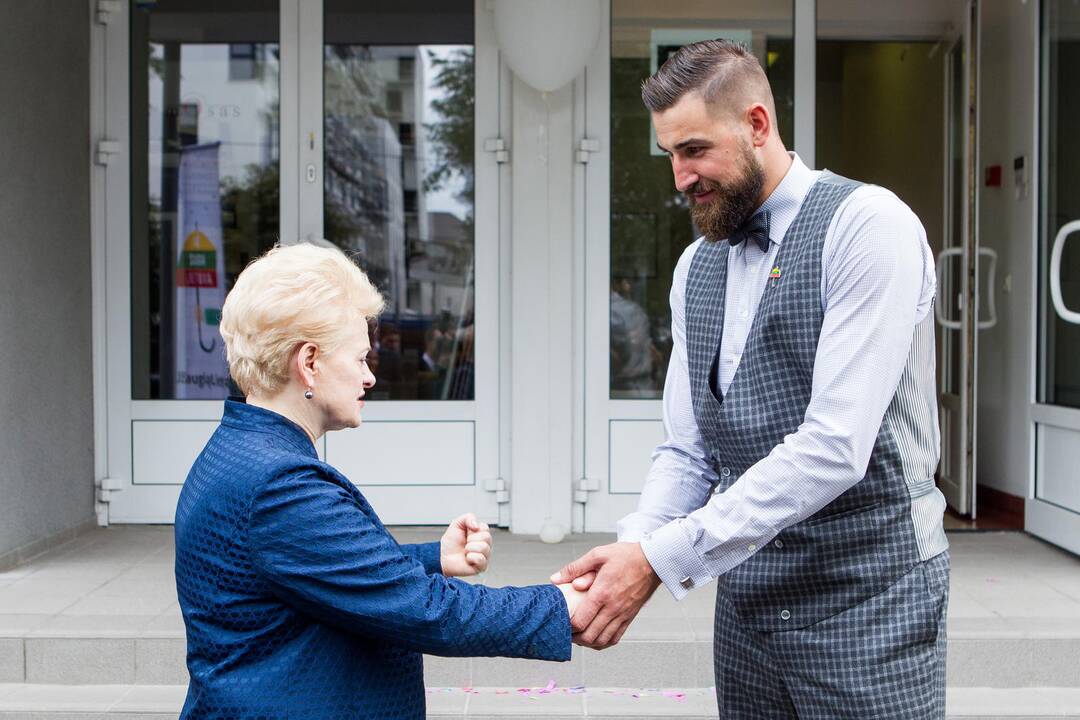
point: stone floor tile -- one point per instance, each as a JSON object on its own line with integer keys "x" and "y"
{"x": 161, "y": 661}
{"x": 14, "y": 601}
{"x": 12, "y": 660}
{"x": 445, "y": 701}
{"x": 443, "y": 672}
{"x": 512, "y": 703}
{"x": 982, "y": 702}
{"x": 645, "y": 627}
{"x": 80, "y": 660}
{"x": 168, "y": 624}
{"x": 631, "y": 703}
{"x": 148, "y": 605}
{"x": 153, "y": 699}
{"x": 93, "y": 626}
{"x": 515, "y": 672}
{"x": 21, "y": 624}
{"x": 665, "y": 663}
{"x": 46, "y": 698}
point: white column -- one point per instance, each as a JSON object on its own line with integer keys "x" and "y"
{"x": 805, "y": 79}
{"x": 541, "y": 295}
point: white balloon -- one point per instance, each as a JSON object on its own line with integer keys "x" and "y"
{"x": 552, "y": 532}
{"x": 547, "y": 44}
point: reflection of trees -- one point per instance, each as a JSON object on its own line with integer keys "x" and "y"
{"x": 650, "y": 221}
{"x": 453, "y": 137}
{"x": 249, "y": 216}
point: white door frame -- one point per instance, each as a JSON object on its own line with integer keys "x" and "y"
{"x": 1043, "y": 518}
{"x": 958, "y": 411}
{"x": 119, "y": 418}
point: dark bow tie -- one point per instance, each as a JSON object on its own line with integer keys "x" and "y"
{"x": 755, "y": 229}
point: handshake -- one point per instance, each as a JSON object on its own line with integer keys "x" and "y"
{"x": 604, "y": 589}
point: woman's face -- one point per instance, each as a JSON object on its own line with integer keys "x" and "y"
{"x": 342, "y": 381}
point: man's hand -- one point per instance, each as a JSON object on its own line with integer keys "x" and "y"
{"x": 620, "y": 580}
{"x": 465, "y": 547}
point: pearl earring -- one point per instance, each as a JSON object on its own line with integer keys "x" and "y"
{"x": 308, "y": 394}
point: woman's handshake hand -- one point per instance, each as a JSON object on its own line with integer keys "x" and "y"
{"x": 573, "y": 597}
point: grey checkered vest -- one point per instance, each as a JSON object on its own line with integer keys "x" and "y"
{"x": 863, "y": 541}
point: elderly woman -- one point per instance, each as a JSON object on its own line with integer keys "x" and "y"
{"x": 297, "y": 601}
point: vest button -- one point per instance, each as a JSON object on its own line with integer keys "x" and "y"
{"x": 779, "y": 543}
{"x": 725, "y": 472}
{"x": 785, "y": 614}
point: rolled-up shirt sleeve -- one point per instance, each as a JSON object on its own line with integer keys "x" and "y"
{"x": 682, "y": 476}
{"x": 877, "y": 284}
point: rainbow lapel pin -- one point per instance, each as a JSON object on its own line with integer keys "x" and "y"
{"x": 775, "y": 272}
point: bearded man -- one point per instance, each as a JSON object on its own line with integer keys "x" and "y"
{"x": 801, "y": 425}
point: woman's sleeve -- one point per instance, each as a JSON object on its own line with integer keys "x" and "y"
{"x": 427, "y": 554}
{"x": 320, "y": 552}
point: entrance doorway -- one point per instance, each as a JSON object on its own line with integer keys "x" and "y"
{"x": 265, "y": 121}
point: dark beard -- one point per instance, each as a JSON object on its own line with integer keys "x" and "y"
{"x": 718, "y": 218}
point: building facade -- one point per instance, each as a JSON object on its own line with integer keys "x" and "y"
{"x": 524, "y": 239}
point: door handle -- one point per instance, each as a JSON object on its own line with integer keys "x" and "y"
{"x": 938, "y": 309}
{"x": 1069, "y": 316}
{"x": 991, "y": 292}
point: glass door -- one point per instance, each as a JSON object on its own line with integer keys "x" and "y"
{"x": 407, "y": 90}
{"x": 1054, "y": 512}
{"x": 260, "y": 122}
{"x": 637, "y": 226}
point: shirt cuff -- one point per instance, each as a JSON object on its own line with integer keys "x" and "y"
{"x": 674, "y": 559}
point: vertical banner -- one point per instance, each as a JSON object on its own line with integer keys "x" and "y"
{"x": 201, "y": 370}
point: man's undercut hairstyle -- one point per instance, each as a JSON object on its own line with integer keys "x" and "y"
{"x": 726, "y": 74}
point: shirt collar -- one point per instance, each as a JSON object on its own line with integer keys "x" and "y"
{"x": 239, "y": 414}
{"x": 786, "y": 200}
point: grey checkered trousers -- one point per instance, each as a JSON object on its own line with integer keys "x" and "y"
{"x": 842, "y": 617}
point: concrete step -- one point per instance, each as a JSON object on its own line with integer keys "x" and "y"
{"x": 157, "y": 702}
{"x": 118, "y": 650}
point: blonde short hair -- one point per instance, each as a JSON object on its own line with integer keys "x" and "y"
{"x": 291, "y": 295}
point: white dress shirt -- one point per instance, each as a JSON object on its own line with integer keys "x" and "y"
{"x": 877, "y": 284}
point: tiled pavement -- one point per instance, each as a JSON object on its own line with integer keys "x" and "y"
{"x": 93, "y": 630}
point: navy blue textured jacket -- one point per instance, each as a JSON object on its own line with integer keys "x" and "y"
{"x": 299, "y": 604}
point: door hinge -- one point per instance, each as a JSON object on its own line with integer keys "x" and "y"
{"x": 106, "y": 486}
{"x": 586, "y": 147}
{"x": 497, "y": 146}
{"x": 105, "y": 149}
{"x": 500, "y": 488}
{"x": 583, "y": 487}
{"x": 106, "y": 9}
{"x": 103, "y": 490}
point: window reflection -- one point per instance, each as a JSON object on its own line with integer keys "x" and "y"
{"x": 650, "y": 220}
{"x": 399, "y": 187}
{"x": 204, "y": 181}
{"x": 1060, "y": 346}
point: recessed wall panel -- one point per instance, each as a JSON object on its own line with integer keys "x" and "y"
{"x": 405, "y": 453}
{"x": 164, "y": 450}
{"x": 631, "y": 445}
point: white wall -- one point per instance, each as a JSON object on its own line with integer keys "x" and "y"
{"x": 1006, "y": 224}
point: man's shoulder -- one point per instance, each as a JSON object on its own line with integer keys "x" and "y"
{"x": 869, "y": 201}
